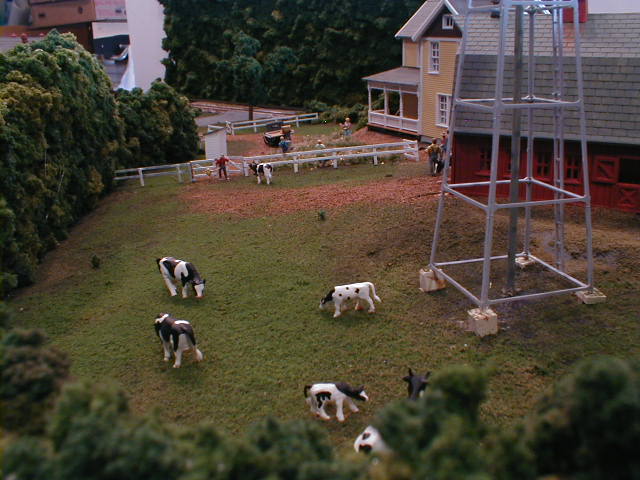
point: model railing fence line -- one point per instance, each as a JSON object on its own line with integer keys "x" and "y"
{"x": 263, "y": 122}
{"x": 240, "y": 165}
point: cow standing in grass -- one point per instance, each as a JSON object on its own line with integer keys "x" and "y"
{"x": 174, "y": 270}
{"x": 177, "y": 336}
{"x": 341, "y": 294}
{"x": 262, "y": 170}
{"x": 319, "y": 395}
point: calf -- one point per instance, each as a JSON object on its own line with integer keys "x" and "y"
{"x": 173, "y": 269}
{"x": 262, "y": 169}
{"x": 343, "y": 293}
{"x": 417, "y": 384}
{"x": 177, "y": 335}
{"x": 370, "y": 440}
{"x": 319, "y": 395}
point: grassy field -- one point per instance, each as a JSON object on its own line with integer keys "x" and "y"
{"x": 260, "y": 329}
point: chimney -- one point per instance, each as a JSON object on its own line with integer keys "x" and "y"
{"x": 583, "y": 11}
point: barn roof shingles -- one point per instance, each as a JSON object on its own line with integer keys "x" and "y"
{"x": 611, "y": 71}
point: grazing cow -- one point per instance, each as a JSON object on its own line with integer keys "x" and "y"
{"x": 320, "y": 395}
{"x": 262, "y": 169}
{"x": 370, "y": 440}
{"x": 177, "y": 335}
{"x": 173, "y": 269}
{"x": 342, "y": 293}
{"x": 416, "y": 384}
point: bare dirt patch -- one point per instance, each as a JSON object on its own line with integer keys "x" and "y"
{"x": 266, "y": 201}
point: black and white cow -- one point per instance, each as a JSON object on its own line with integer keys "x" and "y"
{"x": 370, "y": 440}
{"x": 340, "y": 294}
{"x": 176, "y": 270}
{"x": 262, "y": 169}
{"x": 319, "y": 395}
{"x": 176, "y": 335}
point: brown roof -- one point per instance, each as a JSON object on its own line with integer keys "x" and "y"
{"x": 409, "y": 76}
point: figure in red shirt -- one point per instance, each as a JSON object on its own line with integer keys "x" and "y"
{"x": 222, "y": 166}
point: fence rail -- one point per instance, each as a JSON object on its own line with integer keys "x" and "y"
{"x": 255, "y": 124}
{"x": 196, "y": 169}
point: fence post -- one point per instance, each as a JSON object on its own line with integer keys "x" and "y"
{"x": 297, "y": 120}
{"x": 375, "y": 157}
{"x": 245, "y": 168}
{"x": 179, "y": 173}
{"x": 295, "y": 164}
{"x": 141, "y": 177}
{"x": 335, "y": 162}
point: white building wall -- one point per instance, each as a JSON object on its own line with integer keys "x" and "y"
{"x": 146, "y": 31}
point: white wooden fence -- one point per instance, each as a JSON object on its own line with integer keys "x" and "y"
{"x": 240, "y": 165}
{"x": 255, "y": 124}
{"x": 408, "y": 148}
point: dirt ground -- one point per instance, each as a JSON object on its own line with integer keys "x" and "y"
{"x": 285, "y": 201}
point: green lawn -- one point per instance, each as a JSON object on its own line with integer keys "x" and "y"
{"x": 259, "y": 327}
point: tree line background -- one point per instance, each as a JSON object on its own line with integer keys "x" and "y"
{"x": 281, "y": 52}
{"x": 63, "y": 132}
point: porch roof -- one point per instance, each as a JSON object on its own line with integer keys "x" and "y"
{"x": 406, "y": 76}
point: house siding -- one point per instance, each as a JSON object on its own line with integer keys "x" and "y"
{"x": 434, "y": 84}
{"x": 410, "y": 54}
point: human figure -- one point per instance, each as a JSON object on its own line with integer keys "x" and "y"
{"x": 320, "y": 146}
{"x": 445, "y": 142}
{"x": 346, "y": 127}
{"x": 221, "y": 163}
{"x": 284, "y": 144}
{"x": 434, "y": 153}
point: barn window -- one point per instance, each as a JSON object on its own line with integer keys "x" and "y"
{"x": 485, "y": 160}
{"x": 447, "y": 22}
{"x": 629, "y": 170}
{"x": 434, "y": 57}
{"x": 573, "y": 167}
{"x": 543, "y": 164}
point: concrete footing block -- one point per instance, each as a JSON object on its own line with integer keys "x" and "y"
{"x": 430, "y": 281}
{"x": 591, "y": 297}
{"x": 524, "y": 262}
{"x": 482, "y": 323}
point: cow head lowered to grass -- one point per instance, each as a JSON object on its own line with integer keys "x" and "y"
{"x": 319, "y": 395}
{"x": 174, "y": 270}
{"x": 417, "y": 384}
{"x": 341, "y": 294}
{"x": 177, "y": 336}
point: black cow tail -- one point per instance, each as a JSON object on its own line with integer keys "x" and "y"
{"x": 306, "y": 390}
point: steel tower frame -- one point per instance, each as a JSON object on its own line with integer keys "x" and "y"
{"x": 529, "y": 102}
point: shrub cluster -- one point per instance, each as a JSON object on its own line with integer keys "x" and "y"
{"x": 588, "y": 427}
{"x": 62, "y": 134}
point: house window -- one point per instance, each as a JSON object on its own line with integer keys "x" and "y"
{"x": 630, "y": 170}
{"x": 434, "y": 58}
{"x": 447, "y": 22}
{"x": 442, "y": 115}
{"x": 573, "y": 167}
{"x": 543, "y": 164}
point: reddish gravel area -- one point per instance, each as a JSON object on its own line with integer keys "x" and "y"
{"x": 270, "y": 201}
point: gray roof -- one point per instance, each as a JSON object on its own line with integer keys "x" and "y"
{"x": 611, "y": 71}
{"x": 612, "y": 98}
{"x": 397, "y": 76}
{"x": 603, "y": 35}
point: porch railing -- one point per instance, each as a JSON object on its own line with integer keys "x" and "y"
{"x": 378, "y": 117}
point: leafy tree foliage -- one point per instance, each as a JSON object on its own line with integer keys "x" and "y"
{"x": 307, "y": 49}
{"x": 62, "y": 135}
{"x": 588, "y": 426}
{"x": 60, "y": 139}
{"x": 32, "y": 373}
{"x": 159, "y": 126}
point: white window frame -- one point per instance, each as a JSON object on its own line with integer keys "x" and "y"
{"x": 447, "y": 22}
{"x": 434, "y": 56}
{"x": 440, "y": 112}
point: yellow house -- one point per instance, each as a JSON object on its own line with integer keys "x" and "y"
{"x": 415, "y": 98}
